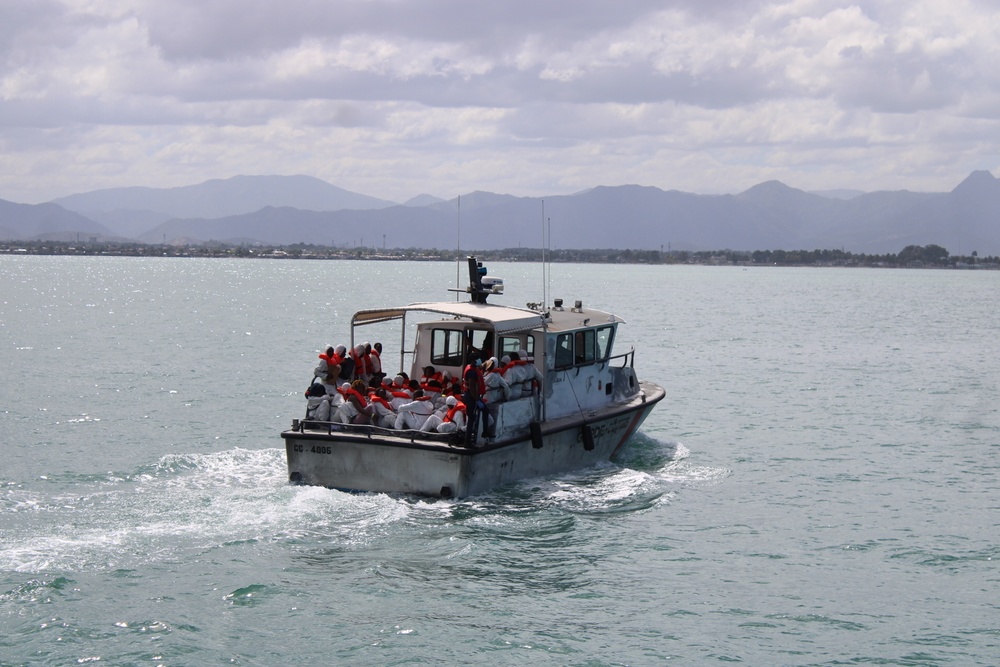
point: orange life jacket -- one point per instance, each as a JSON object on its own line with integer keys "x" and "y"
{"x": 425, "y": 380}
{"x": 479, "y": 376}
{"x": 381, "y": 401}
{"x": 453, "y": 410}
{"x": 354, "y": 392}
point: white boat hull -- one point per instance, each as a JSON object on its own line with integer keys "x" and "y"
{"x": 390, "y": 463}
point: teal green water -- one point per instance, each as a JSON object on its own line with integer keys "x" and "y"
{"x": 820, "y": 486}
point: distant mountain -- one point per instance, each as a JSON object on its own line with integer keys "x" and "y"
{"x": 423, "y": 200}
{"x": 838, "y": 194}
{"x": 768, "y": 216}
{"x": 48, "y": 221}
{"x": 128, "y": 210}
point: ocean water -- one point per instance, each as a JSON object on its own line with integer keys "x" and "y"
{"x": 820, "y": 486}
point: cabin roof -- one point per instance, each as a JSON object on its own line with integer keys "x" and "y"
{"x": 504, "y": 319}
{"x": 568, "y": 319}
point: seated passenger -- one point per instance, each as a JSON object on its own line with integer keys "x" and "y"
{"x": 509, "y": 371}
{"x": 330, "y": 383}
{"x": 399, "y": 394}
{"x": 497, "y": 389}
{"x": 430, "y": 375}
{"x": 355, "y": 409}
{"x": 346, "y": 364}
{"x": 433, "y": 391}
{"x": 382, "y": 413}
{"x": 531, "y": 378}
{"x": 323, "y": 367}
{"x": 412, "y": 415}
{"x": 449, "y": 420}
{"x": 361, "y": 370}
{"x": 375, "y": 354}
{"x": 317, "y": 403}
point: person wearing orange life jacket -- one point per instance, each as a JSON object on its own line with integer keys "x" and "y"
{"x": 434, "y": 391}
{"x": 430, "y": 374}
{"x": 472, "y": 396}
{"x": 327, "y": 365}
{"x": 412, "y": 415}
{"x": 342, "y": 359}
{"x": 506, "y": 370}
{"x": 399, "y": 394}
{"x": 345, "y": 412}
{"x": 375, "y": 359}
{"x": 382, "y": 413}
{"x": 531, "y": 378}
{"x": 497, "y": 391}
{"x": 357, "y": 355}
{"x": 366, "y": 357}
{"x": 355, "y": 409}
{"x": 448, "y": 420}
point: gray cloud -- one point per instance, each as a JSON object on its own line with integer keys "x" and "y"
{"x": 527, "y": 97}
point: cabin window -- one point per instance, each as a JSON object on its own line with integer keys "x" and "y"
{"x": 564, "y": 350}
{"x": 479, "y": 344}
{"x": 584, "y": 346}
{"x": 446, "y": 347}
{"x": 605, "y": 336}
{"x": 509, "y": 344}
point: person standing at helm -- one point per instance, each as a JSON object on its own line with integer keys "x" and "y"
{"x": 473, "y": 389}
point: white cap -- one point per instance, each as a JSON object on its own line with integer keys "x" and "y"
{"x": 451, "y": 400}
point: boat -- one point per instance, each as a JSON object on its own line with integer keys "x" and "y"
{"x": 583, "y": 406}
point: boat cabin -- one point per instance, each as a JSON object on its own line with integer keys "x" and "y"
{"x": 577, "y": 401}
{"x": 570, "y": 350}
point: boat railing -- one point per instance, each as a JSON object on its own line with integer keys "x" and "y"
{"x": 370, "y": 431}
{"x": 628, "y": 358}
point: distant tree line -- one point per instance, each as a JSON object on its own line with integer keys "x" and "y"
{"x": 911, "y": 256}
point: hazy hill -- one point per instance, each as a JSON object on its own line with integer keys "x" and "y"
{"x": 29, "y": 221}
{"x": 767, "y": 216}
{"x": 122, "y": 209}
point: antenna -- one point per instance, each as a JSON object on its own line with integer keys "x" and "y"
{"x": 548, "y": 222}
{"x": 545, "y": 295}
{"x": 458, "y": 248}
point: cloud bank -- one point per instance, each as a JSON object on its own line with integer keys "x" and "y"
{"x": 395, "y": 98}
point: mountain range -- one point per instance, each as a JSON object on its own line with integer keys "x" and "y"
{"x": 284, "y": 210}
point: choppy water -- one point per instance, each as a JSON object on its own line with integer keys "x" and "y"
{"x": 819, "y": 488}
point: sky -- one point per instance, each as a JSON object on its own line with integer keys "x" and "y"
{"x": 397, "y": 98}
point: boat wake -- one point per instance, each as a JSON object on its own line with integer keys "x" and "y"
{"x": 182, "y": 507}
{"x": 185, "y": 506}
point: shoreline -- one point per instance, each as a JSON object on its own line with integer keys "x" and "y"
{"x": 929, "y": 257}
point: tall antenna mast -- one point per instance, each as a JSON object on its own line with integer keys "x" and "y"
{"x": 458, "y": 248}
{"x": 545, "y": 294}
{"x": 548, "y": 243}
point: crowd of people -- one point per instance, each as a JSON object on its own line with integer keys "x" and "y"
{"x": 350, "y": 387}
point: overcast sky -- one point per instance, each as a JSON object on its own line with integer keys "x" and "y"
{"x": 395, "y": 98}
